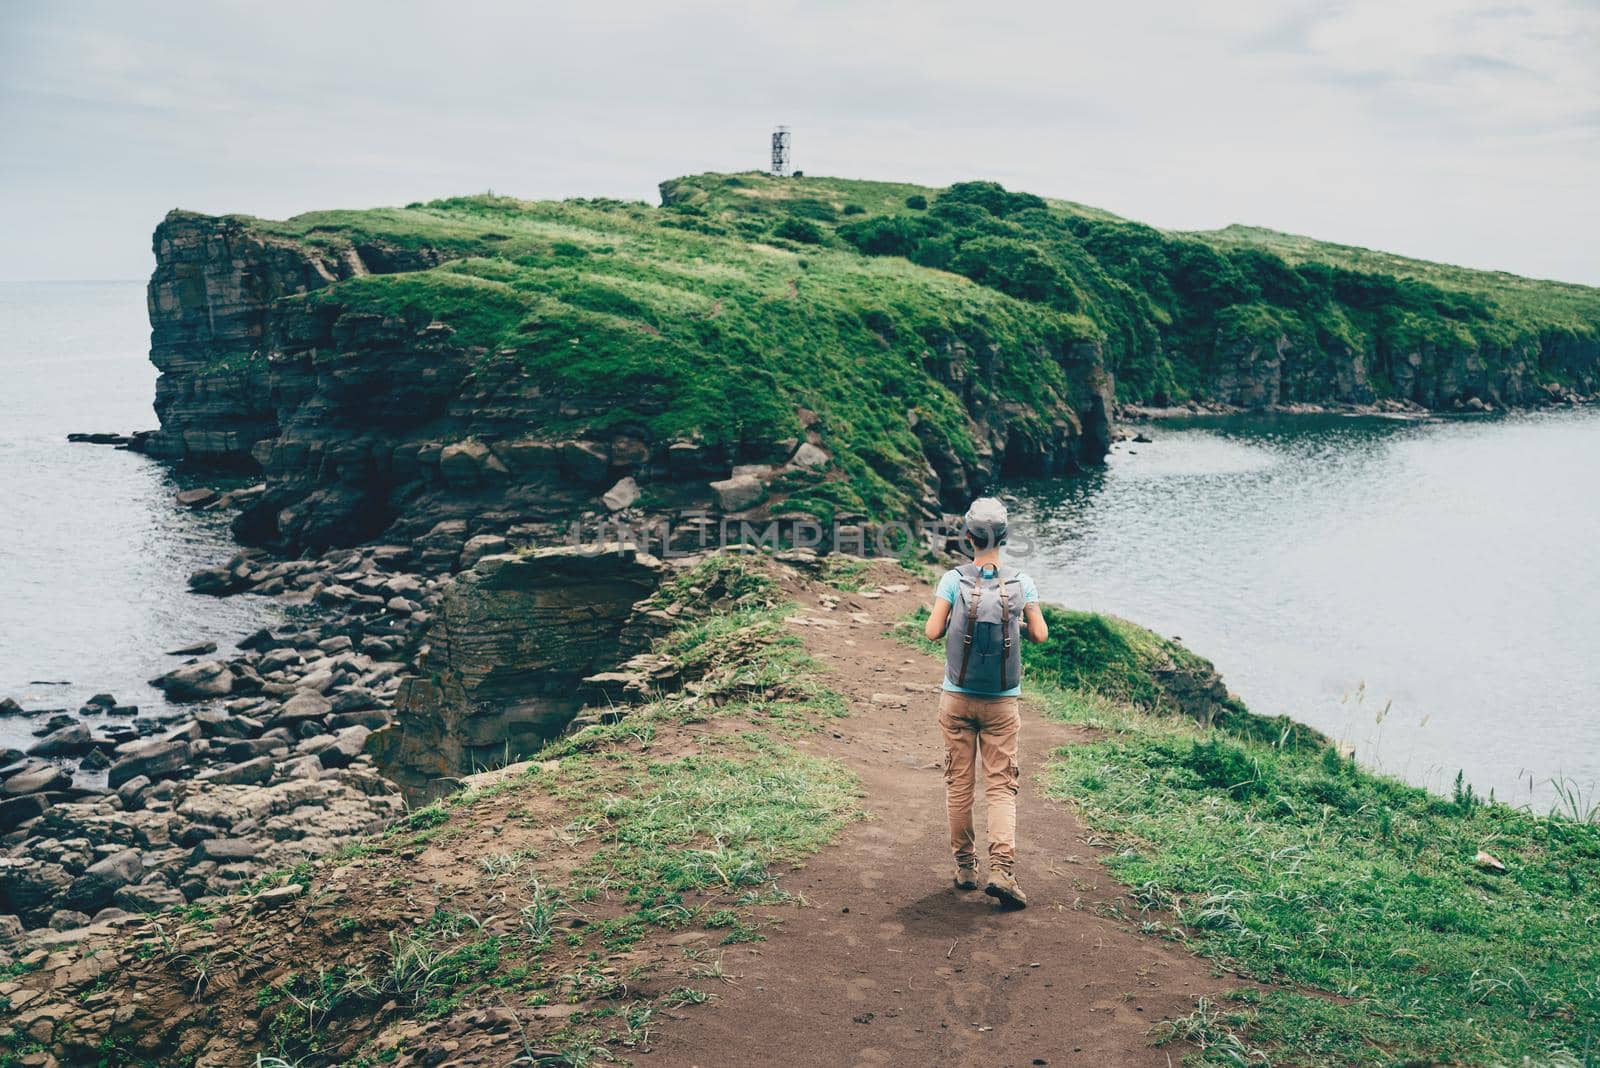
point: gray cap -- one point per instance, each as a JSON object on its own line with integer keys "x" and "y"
{"x": 985, "y": 522}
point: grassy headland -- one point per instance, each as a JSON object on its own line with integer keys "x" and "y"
{"x": 658, "y": 323}
{"x": 970, "y": 328}
{"x": 1172, "y": 307}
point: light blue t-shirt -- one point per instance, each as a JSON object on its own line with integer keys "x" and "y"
{"x": 950, "y": 585}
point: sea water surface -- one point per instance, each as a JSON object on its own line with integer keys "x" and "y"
{"x": 94, "y": 553}
{"x": 1428, "y": 591}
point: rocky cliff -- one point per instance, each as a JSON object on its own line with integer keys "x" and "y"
{"x": 212, "y": 299}
{"x": 1275, "y": 364}
{"x": 530, "y": 381}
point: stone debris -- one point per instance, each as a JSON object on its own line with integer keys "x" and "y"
{"x": 269, "y": 769}
{"x": 809, "y": 455}
{"x": 812, "y": 621}
{"x": 621, "y": 495}
{"x": 196, "y": 498}
{"x": 276, "y": 897}
{"x": 739, "y": 492}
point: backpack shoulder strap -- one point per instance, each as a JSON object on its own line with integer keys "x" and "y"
{"x": 1005, "y": 631}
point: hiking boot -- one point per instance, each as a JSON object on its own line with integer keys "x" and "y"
{"x": 966, "y": 877}
{"x": 1003, "y": 887}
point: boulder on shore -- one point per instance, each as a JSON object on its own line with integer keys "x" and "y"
{"x": 215, "y": 581}
{"x": 156, "y": 758}
{"x": 15, "y": 811}
{"x": 196, "y": 498}
{"x": 72, "y": 740}
{"x": 38, "y": 779}
{"x": 193, "y": 649}
{"x": 305, "y": 704}
{"x": 148, "y": 897}
{"x": 94, "y": 889}
{"x": 197, "y": 682}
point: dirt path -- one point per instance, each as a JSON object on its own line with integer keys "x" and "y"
{"x": 892, "y": 965}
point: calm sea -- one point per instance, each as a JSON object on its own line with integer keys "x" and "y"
{"x": 1428, "y": 591}
{"x": 94, "y": 554}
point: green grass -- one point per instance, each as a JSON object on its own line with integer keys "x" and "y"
{"x": 1105, "y": 654}
{"x": 731, "y": 581}
{"x": 1308, "y": 870}
{"x": 1295, "y": 866}
{"x": 1563, "y": 304}
{"x": 711, "y": 820}
{"x": 1170, "y": 307}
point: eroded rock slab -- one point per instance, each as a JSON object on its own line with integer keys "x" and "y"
{"x": 514, "y": 638}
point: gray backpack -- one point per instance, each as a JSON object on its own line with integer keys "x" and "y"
{"x": 983, "y": 644}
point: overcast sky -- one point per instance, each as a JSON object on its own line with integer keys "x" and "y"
{"x": 1460, "y": 130}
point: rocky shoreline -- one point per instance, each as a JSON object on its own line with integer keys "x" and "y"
{"x": 404, "y": 669}
{"x": 1554, "y": 397}
{"x": 110, "y": 813}
{"x": 268, "y": 770}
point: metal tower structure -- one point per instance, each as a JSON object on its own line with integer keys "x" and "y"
{"x": 780, "y": 152}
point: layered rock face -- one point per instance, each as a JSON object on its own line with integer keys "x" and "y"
{"x": 1273, "y": 370}
{"x": 211, "y": 303}
{"x": 508, "y": 655}
{"x": 327, "y": 405}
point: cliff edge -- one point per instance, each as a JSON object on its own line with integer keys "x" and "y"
{"x": 519, "y": 365}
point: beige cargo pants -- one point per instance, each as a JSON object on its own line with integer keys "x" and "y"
{"x": 981, "y": 729}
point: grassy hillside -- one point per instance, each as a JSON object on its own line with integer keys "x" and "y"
{"x": 1359, "y": 901}
{"x": 1175, "y": 309}
{"x": 1537, "y": 302}
{"x": 654, "y": 322}
{"x": 1357, "y": 897}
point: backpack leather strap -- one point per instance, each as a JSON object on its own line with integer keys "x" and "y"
{"x": 1005, "y": 630}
